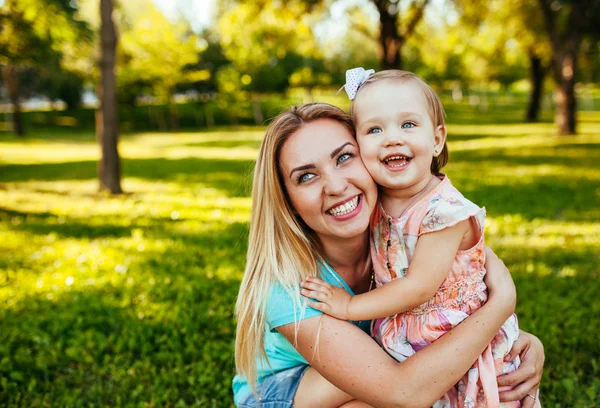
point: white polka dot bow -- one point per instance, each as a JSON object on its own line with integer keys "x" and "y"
{"x": 355, "y": 77}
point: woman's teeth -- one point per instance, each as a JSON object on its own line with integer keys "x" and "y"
{"x": 345, "y": 208}
{"x": 397, "y": 161}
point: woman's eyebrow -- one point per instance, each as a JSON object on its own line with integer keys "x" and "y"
{"x": 339, "y": 149}
{"x": 300, "y": 168}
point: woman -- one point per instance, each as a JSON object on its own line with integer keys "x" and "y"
{"x": 311, "y": 203}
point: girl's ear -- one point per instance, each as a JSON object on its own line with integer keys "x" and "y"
{"x": 439, "y": 139}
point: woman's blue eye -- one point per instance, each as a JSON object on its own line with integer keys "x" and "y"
{"x": 408, "y": 125}
{"x": 305, "y": 177}
{"x": 344, "y": 157}
{"x": 374, "y": 130}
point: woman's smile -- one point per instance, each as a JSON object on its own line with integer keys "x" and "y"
{"x": 347, "y": 209}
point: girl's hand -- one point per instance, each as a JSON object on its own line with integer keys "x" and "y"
{"x": 525, "y": 381}
{"x": 501, "y": 288}
{"x": 332, "y": 300}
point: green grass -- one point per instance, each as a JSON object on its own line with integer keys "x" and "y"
{"x": 129, "y": 300}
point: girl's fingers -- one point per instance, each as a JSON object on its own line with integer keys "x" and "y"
{"x": 316, "y": 287}
{"x": 319, "y": 306}
{"x": 318, "y": 281}
{"x": 315, "y": 294}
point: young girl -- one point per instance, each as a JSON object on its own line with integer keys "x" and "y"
{"x": 424, "y": 231}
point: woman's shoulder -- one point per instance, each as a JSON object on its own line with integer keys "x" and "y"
{"x": 285, "y": 305}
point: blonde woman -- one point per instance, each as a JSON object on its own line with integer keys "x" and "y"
{"x": 311, "y": 203}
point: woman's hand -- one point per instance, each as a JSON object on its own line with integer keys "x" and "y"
{"x": 501, "y": 288}
{"x": 525, "y": 381}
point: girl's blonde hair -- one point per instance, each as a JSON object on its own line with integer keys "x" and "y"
{"x": 436, "y": 110}
{"x": 282, "y": 249}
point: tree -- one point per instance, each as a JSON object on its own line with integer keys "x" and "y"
{"x": 393, "y": 31}
{"x": 267, "y": 43}
{"x": 520, "y": 22}
{"x": 567, "y": 22}
{"x": 162, "y": 54}
{"x": 107, "y": 126}
{"x": 33, "y": 34}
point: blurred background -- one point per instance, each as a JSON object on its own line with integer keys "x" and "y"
{"x": 128, "y": 133}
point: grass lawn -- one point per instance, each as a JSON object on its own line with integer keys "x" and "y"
{"x": 129, "y": 300}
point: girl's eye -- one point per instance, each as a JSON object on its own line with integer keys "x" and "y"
{"x": 343, "y": 157}
{"x": 303, "y": 178}
{"x": 408, "y": 125}
{"x": 374, "y": 130}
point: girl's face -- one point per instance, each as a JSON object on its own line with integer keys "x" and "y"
{"x": 326, "y": 180}
{"x": 396, "y": 135}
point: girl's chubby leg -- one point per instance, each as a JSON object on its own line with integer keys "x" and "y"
{"x": 315, "y": 391}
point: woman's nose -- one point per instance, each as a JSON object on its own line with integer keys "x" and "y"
{"x": 335, "y": 184}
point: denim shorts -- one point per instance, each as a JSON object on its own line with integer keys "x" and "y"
{"x": 277, "y": 390}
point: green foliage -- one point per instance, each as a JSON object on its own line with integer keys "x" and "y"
{"x": 129, "y": 300}
{"x": 158, "y": 53}
{"x": 266, "y": 43}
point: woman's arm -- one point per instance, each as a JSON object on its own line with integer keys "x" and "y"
{"x": 433, "y": 258}
{"x": 354, "y": 363}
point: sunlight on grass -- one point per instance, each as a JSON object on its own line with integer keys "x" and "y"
{"x": 138, "y": 290}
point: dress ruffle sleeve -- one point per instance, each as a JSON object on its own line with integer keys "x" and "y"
{"x": 448, "y": 209}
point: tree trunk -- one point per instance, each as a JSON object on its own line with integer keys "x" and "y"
{"x": 389, "y": 40}
{"x": 109, "y": 167}
{"x": 11, "y": 81}
{"x": 566, "y": 103}
{"x": 537, "y": 87}
{"x": 259, "y": 118}
{"x": 173, "y": 117}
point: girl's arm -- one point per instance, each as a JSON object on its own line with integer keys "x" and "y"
{"x": 434, "y": 255}
{"x": 353, "y": 362}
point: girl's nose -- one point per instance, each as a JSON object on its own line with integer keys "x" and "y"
{"x": 335, "y": 184}
{"x": 393, "y": 137}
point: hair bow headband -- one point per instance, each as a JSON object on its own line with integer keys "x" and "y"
{"x": 355, "y": 77}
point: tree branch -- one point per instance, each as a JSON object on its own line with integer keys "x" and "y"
{"x": 418, "y": 11}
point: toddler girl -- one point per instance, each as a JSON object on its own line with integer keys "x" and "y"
{"x": 424, "y": 231}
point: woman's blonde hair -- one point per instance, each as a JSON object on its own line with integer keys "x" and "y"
{"x": 435, "y": 107}
{"x": 282, "y": 249}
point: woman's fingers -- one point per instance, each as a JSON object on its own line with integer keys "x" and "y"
{"x": 519, "y": 392}
{"x": 519, "y": 376}
{"x": 530, "y": 399}
{"x": 518, "y": 347}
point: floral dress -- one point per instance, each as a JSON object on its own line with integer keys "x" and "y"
{"x": 393, "y": 243}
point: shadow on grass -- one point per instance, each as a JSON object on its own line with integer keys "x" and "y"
{"x": 100, "y": 347}
{"x": 228, "y": 144}
{"x": 159, "y": 334}
{"x": 465, "y": 114}
{"x": 546, "y": 198}
{"x": 232, "y": 177}
{"x": 543, "y": 156}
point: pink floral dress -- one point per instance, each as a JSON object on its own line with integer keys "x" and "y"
{"x": 393, "y": 243}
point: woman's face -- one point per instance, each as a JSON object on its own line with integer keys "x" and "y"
{"x": 327, "y": 182}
